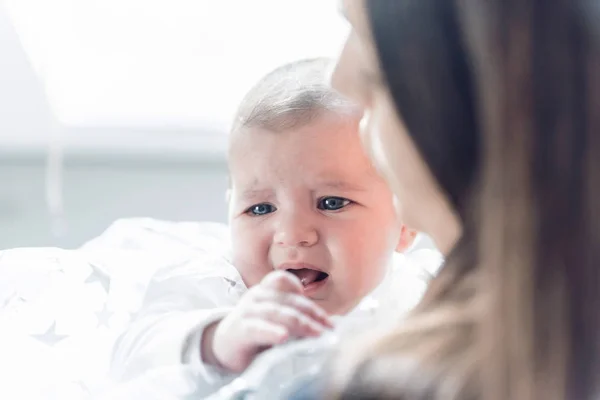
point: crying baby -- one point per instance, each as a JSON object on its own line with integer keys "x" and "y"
{"x": 313, "y": 231}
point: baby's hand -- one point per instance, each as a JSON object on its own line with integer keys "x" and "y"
{"x": 269, "y": 314}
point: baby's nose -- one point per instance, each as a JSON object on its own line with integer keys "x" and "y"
{"x": 296, "y": 232}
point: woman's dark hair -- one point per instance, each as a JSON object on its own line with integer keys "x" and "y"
{"x": 502, "y": 99}
{"x": 422, "y": 58}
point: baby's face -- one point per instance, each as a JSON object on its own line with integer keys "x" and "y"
{"x": 309, "y": 201}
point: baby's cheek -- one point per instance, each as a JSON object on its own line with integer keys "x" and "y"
{"x": 251, "y": 272}
{"x": 251, "y": 265}
{"x": 377, "y": 257}
{"x": 250, "y": 248}
{"x": 364, "y": 268}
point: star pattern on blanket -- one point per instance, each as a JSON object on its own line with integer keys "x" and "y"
{"x": 99, "y": 276}
{"x": 104, "y": 316}
{"x": 50, "y": 337}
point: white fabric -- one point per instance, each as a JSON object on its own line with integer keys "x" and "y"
{"x": 182, "y": 299}
{"x": 62, "y": 310}
{"x": 59, "y": 320}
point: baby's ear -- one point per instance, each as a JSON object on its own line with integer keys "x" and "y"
{"x": 407, "y": 237}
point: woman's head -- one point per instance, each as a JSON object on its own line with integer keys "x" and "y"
{"x": 419, "y": 112}
{"x": 496, "y": 102}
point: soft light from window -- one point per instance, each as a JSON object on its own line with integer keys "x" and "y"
{"x": 165, "y": 62}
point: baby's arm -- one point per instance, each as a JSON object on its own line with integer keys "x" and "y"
{"x": 180, "y": 301}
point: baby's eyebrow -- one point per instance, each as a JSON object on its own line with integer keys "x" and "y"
{"x": 343, "y": 186}
{"x": 253, "y": 193}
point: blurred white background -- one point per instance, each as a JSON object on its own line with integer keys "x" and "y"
{"x": 120, "y": 108}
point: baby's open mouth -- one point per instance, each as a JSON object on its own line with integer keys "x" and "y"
{"x": 308, "y": 276}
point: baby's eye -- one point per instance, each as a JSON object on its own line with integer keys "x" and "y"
{"x": 261, "y": 209}
{"x": 332, "y": 203}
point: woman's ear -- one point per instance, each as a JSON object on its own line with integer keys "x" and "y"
{"x": 407, "y": 238}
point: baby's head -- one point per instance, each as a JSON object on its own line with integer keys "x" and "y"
{"x": 304, "y": 195}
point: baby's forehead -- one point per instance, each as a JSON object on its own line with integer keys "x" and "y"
{"x": 328, "y": 136}
{"x": 254, "y": 183}
{"x": 325, "y": 152}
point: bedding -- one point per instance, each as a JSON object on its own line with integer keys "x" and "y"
{"x": 61, "y": 310}
{"x": 58, "y": 320}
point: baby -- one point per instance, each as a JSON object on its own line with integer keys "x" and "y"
{"x": 313, "y": 230}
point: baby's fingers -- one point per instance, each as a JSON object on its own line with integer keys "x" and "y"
{"x": 285, "y": 288}
{"x": 282, "y": 281}
{"x": 296, "y": 323}
{"x": 306, "y": 307}
{"x": 262, "y": 332}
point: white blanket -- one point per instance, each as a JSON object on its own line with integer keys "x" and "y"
{"x": 61, "y": 310}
